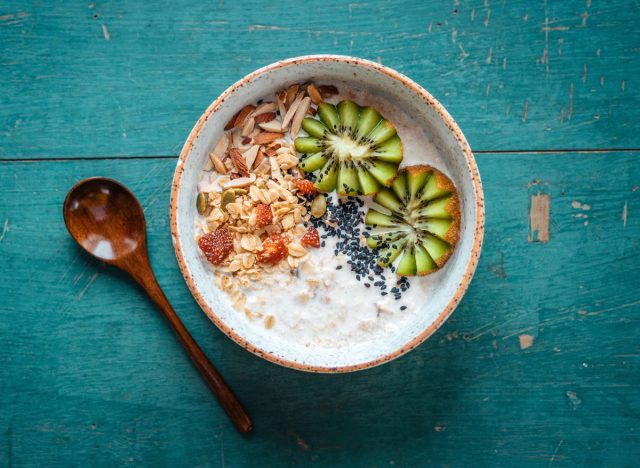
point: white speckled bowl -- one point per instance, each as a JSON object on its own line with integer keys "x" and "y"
{"x": 427, "y": 113}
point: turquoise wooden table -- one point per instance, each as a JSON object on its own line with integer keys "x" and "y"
{"x": 538, "y": 366}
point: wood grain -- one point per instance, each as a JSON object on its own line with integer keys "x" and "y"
{"x": 88, "y": 372}
{"x": 131, "y": 78}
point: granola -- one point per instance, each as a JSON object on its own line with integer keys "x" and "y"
{"x": 253, "y": 191}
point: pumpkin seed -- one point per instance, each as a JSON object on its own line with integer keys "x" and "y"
{"x": 228, "y": 196}
{"x": 201, "y": 203}
{"x": 318, "y": 206}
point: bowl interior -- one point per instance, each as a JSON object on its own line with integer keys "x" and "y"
{"x": 452, "y": 156}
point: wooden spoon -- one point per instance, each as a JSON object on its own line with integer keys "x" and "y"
{"x": 106, "y": 219}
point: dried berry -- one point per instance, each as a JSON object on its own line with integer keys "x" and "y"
{"x": 304, "y": 186}
{"x": 273, "y": 250}
{"x": 264, "y": 216}
{"x": 311, "y": 238}
{"x": 216, "y": 245}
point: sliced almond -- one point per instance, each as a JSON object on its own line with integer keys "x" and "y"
{"x": 256, "y": 130}
{"x": 272, "y": 151}
{"x": 240, "y": 182}
{"x": 222, "y": 146}
{"x": 263, "y": 168}
{"x": 239, "y": 161}
{"x": 292, "y": 110}
{"x": 327, "y": 90}
{"x": 242, "y": 115}
{"x": 265, "y": 117}
{"x": 250, "y": 155}
{"x": 287, "y": 160}
{"x": 232, "y": 120}
{"x": 291, "y": 93}
{"x": 314, "y": 94}
{"x": 217, "y": 163}
{"x": 271, "y": 126}
{"x": 248, "y": 126}
{"x": 280, "y": 102}
{"x": 236, "y": 139}
{"x": 266, "y": 137}
{"x": 297, "y": 118}
{"x": 265, "y": 107}
{"x": 275, "y": 169}
{"x": 208, "y": 165}
{"x": 259, "y": 158}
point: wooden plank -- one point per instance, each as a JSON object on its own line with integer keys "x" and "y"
{"x": 131, "y": 78}
{"x": 538, "y": 365}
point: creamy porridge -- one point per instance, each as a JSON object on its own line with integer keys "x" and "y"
{"x": 303, "y": 264}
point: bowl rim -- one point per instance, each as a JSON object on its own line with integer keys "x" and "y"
{"x": 478, "y": 229}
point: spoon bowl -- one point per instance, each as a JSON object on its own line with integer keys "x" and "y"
{"x": 107, "y": 221}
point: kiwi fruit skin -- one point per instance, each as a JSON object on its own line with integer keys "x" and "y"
{"x": 353, "y": 149}
{"x": 424, "y": 210}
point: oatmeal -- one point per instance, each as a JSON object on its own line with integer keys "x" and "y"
{"x": 312, "y": 223}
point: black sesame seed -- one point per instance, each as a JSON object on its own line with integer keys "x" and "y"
{"x": 339, "y": 267}
{"x": 403, "y": 307}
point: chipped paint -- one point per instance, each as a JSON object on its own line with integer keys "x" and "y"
{"x": 570, "y": 113}
{"x": 624, "y": 215}
{"x": 539, "y": 218}
{"x": 525, "y": 341}
{"x": 489, "y": 56}
{"x": 488, "y": 17}
{"x": 579, "y": 206}
{"x": 105, "y": 32}
{"x": 584, "y": 15}
{"x": 5, "y": 229}
{"x": 573, "y": 398}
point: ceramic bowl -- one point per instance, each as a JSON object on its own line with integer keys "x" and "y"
{"x": 426, "y": 113}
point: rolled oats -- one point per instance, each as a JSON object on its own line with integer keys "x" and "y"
{"x": 296, "y": 250}
{"x": 269, "y": 322}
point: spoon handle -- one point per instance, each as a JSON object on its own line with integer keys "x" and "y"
{"x": 213, "y": 379}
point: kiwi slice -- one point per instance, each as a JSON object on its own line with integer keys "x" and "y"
{"x": 422, "y": 224}
{"x": 353, "y": 149}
